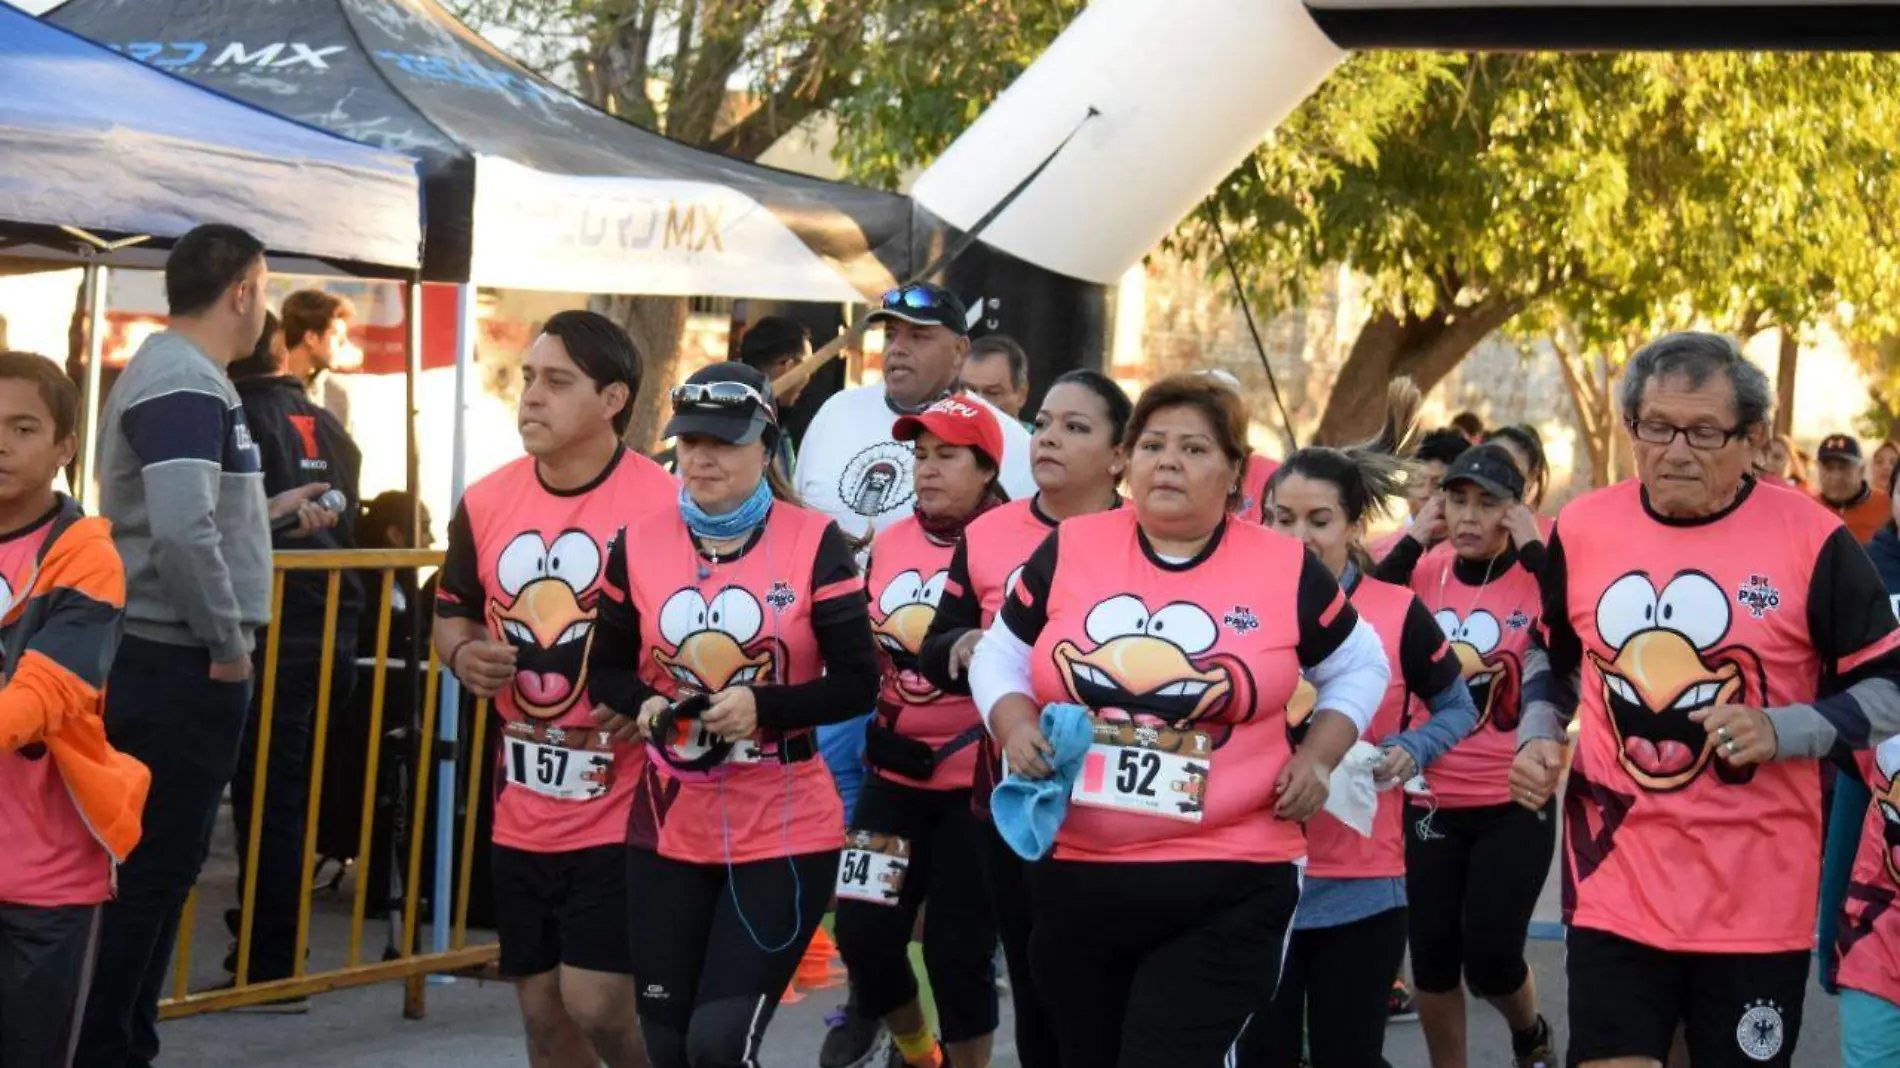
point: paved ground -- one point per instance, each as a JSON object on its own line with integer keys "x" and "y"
{"x": 474, "y": 1025}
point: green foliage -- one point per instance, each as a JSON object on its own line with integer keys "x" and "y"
{"x": 931, "y": 70}
{"x": 901, "y": 77}
{"x": 1617, "y": 194}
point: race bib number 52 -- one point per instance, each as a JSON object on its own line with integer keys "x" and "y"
{"x": 872, "y": 867}
{"x": 1149, "y": 771}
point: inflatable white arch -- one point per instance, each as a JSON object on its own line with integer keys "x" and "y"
{"x": 1184, "y": 89}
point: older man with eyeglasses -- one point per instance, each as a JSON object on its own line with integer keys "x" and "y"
{"x": 1720, "y": 636}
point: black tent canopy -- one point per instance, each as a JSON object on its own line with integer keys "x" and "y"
{"x": 526, "y": 185}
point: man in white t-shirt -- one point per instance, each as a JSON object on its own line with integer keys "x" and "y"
{"x": 849, "y": 466}
{"x": 853, "y": 470}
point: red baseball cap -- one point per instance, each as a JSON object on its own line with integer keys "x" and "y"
{"x": 959, "y": 420}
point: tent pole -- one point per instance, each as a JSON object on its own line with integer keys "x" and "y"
{"x": 451, "y": 690}
{"x": 95, "y": 287}
{"x": 412, "y": 386}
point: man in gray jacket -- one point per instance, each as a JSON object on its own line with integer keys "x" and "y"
{"x": 180, "y": 481}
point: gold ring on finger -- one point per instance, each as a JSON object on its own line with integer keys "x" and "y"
{"x": 1722, "y": 733}
{"x": 1732, "y": 747}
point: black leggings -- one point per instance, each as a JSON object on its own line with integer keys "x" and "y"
{"x": 707, "y": 989}
{"x": 959, "y": 926}
{"x": 1157, "y": 965}
{"x": 1333, "y": 992}
{"x": 1007, "y": 877}
{"x": 1472, "y": 876}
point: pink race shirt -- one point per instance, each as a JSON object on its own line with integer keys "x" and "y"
{"x": 1665, "y": 843}
{"x": 527, "y": 561}
{"x": 909, "y": 570}
{"x": 1489, "y": 620}
{"x": 1253, "y": 487}
{"x": 747, "y": 621}
{"x": 1869, "y": 943}
{"x": 1334, "y": 850}
{"x": 995, "y": 548}
{"x": 52, "y": 857}
{"x": 1209, "y": 648}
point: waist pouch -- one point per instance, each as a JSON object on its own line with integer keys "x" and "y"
{"x": 913, "y": 759}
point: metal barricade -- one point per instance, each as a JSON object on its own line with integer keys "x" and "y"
{"x": 409, "y": 965}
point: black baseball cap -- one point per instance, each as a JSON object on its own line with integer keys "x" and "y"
{"x": 1839, "y": 447}
{"x": 924, "y": 304}
{"x": 731, "y": 401}
{"x": 1490, "y": 468}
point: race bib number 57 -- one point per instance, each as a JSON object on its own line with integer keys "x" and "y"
{"x": 550, "y": 765}
{"x": 1148, "y": 771}
{"x": 872, "y": 867}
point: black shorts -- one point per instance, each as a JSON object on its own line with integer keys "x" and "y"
{"x": 562, "y": 909}
{"x": 1738, "y": 1010}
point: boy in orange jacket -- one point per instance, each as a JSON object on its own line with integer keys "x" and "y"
{"x": 69, "y": 803}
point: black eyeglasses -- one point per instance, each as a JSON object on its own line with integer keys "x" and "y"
{"x": 1700, "y": 438}
{"x": 912, "y": 297}
{"x": 720, "y": 395}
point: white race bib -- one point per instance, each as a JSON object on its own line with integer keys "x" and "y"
{"x": 557, "y": 771}
{"x": 695, "y": 741}
{"x": 1145, "y": 770}
{"x": 872, "y": 868}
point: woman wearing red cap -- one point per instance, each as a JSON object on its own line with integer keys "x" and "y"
{"x": 913, "y": 837}
{"x": 1078, "y": 456}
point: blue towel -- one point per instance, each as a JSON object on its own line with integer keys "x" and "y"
{"x": 1029, "y": 812}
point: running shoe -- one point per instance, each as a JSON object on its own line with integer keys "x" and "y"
{"x": 1541, "y": 1052}
{"x": 895, "y": 1058}
{"x": 1399, "y": 1005}
{"x": 852, "y": 1040}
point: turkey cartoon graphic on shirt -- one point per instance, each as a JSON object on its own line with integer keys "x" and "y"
{"x": 1886, "y": 787}
{"x": 1668, "y": 661}
{"x": 899, "y": 621}
{"x": 1494, "y": 676}
{"x": 1153, "y": 668}
{"x": 548, "y": 618}
{"x": 716, "y": 643}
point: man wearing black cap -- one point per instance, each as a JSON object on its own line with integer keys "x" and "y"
{"x": 852, "y": 469}
{"x": 514, "y": 618}
{"x": 1844, "y": 491}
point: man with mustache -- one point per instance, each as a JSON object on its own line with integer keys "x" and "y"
{"x": 1720, "y": 636}
{"x": 514, "y": 621}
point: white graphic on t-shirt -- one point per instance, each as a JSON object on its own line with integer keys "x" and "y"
{"x": 878, "y": 479}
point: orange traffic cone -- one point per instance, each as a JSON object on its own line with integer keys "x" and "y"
{"x": 792, "y": 996}
{"x": 816, "y": 969}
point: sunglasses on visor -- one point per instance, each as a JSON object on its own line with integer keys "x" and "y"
{"x": 720, "y": 395}
{"x": 912, "y": 297}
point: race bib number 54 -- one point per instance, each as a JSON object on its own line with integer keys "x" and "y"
{"x": 1149, "y": 771}
{"x": 872, "y": 867}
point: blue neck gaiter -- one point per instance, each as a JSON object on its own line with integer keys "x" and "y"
{"x": 741, "y": 520}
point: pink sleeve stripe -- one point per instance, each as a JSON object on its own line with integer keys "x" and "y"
{"x": 1332, "y": 610}
{"x": 1878, "y": 649}
{"x": 841, "y": 588}
{"x": 953, "y": 587}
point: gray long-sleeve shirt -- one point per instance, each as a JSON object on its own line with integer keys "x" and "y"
{"x": 180, "y": 479}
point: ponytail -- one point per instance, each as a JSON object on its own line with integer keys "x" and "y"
{"x": 1371, "y": 474}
